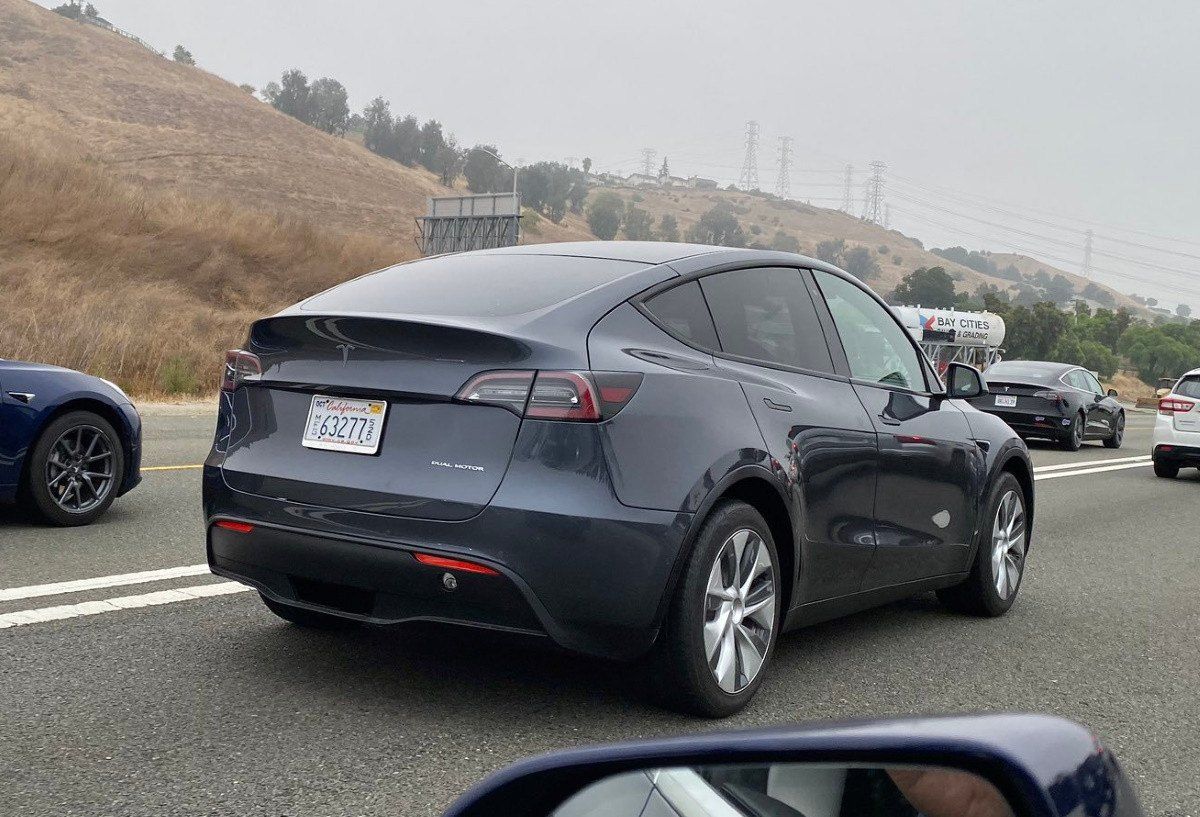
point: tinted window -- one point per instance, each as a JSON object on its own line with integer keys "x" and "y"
{"x": 682, "y": 310}
{"x": 1189, "y": 387}
{"x": 472, "y": 285}
{"x": 1093, "y": 383}
{"x": 878, "y": 348}
{"x": 1078, "y": 379}
{"x": 767, "y": 315}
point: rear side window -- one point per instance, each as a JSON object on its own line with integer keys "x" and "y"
{"x": 767, "y": 315}
{"x": 1189, "y": 387}
{"x": 683, "y": 311}
{"x": 472, "y": 285}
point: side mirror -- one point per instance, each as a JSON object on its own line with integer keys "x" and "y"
{"x": 1112, "y": 393}
{"x": 964, "y": 382}
{"x": 969, "y": 766}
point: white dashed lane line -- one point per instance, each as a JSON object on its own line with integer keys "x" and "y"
{"x": 100, "y": 582}
{"x": 92, "y": 608}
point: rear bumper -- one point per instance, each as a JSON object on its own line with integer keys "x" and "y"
{"x": 1181, "y": 455}
{"x": 586, "y": 571}
{"x": 1032, "y": 425}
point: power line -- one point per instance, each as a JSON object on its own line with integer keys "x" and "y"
{"x": 783, "y": 182}
{"x": 749, "y": 178}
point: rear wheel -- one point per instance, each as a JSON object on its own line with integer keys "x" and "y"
{"x": 1166, "y": 470}
{"x": 724, "y": 619}
{"x": 304, "y": 617}
{"x": 1073, "y": 441}
{"x": 991, "y": 588}
{"x": 1118, "y": 435}
{"x": 75, "y": 469}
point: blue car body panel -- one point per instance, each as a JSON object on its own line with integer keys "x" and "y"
{"x": 1045, "y": 766}
{"x": 56, "y": 390}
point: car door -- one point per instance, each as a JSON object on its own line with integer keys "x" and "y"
{"x": 1100, "y": 414}
{"x": 822, "y": 445}
{"x": 930, "y": 469}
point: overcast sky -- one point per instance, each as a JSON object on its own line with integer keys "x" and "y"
{"x": 1063, "y": 112}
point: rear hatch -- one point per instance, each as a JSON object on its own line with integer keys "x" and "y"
{"x": 1185, "y": 398}
{"x": 436, "y": 458}
{"x": 1021, "y": 398}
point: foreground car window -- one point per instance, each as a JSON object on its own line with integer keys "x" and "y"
{"x": 767, "y": 315}
{"x": 682, "y": 310}
{"x": 877, "y": 347}
{"x": 470, "y": 285}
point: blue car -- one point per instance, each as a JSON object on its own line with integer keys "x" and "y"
{"x": 660, "y": 453}
{"x": 70, "y": 443}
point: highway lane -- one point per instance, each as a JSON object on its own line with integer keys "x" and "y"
{"x": 214, "y": 706}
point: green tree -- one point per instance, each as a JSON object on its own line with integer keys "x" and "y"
{"x": 377, "y": 126}
{"x": 406, "y": 141}
{"x": 448, "y": 162}
{"x": 605, "y": 214}
{"x": 71, "y": 10}
{"x": 718, "y": 226}
{"x": 831, "y": 251}
{"x": 926, "y": 286}
{"x": 183, "y": 56}
{"x": 290, "y": 95}
{"x": 587, "y": 164}
{"x": 785, "y": 242}
{"x": 860, "y": 262}
{"x": 482, "y": 170}
{"x": 638, "y": 224}
{"x": 668, "y": 228}
{"x": 431, "y": 142}
{"x": 1183, "y": 311}
{"x": 248, "y": 88}
{"x": 665, "y": 170}
{"x": 328, "y": 106}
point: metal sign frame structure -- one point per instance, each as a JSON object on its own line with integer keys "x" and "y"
{"x": 478, "y": 222}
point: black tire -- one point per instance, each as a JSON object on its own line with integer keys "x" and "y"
{"x": 977, "y": 595}
{"x": 1118, "y": 436}
{"x": 37, "y": 493}
{"x": 303, "y": 617}
{"x": 1166, "y": 470}
{"x": 678, "y": 670}
{"x": 1073, "y": 440}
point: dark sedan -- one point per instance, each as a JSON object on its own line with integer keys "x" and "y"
{"x": 649, "y": 451}
{"x": 1054, "y": 401}
{"x": 70, "y": 443}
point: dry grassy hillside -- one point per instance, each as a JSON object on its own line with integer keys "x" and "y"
{"x": 175, "y": 127}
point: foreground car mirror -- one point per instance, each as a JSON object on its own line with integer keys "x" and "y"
{"x": 982, "y": 766}
{"x": 964, "y": 382}
{"x": 1113, "y": 393}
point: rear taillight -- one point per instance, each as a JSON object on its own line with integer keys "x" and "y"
{"x": 554, "y": 395}
{"x": 1048, "y": 394}
{"x": 238, "y": 366}
{"x": 1171, "y": 405}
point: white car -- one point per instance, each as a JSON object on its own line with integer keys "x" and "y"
{"x": 1177, "y": 432}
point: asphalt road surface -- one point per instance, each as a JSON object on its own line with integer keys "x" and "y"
{"x": 135, "y": 700}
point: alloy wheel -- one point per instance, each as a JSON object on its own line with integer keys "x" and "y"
{"x": 739, "y": 610}
{"x": 1008, "y": 544}
{"x": 1119, "y": 432}
{"x": 80, "y": 469}
{"x": 1077, "y": 431}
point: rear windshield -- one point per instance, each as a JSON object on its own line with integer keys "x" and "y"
{"x": 472, "y": 285}
{"x": 1022, "y": 372}
{"x": 1189, "y": 387}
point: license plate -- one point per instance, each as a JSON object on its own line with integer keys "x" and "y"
{"x": 1006, "y": 400}
{"x": 340, "y": 424}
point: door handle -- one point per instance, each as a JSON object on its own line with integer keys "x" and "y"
{"x": 889, "y": 421}
{"x": 771, "y": 404}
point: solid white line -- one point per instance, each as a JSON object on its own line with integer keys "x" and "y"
{"x": 1069, "y": 465}
{"x": 92, "y": 608}
{"x": 80, "y": 585}
{"x": 1083, "y": 471}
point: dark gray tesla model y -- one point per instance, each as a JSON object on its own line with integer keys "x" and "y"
{"x": 656, "y": 452}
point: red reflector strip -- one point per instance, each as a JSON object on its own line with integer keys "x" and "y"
{"x": 455, "y": 564}
{"x": 240, "y": 527}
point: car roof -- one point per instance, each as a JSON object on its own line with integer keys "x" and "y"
{"x": 646, "y": 252}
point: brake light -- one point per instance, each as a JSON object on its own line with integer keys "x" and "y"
{"x": 554, "y": 395}
{"x": 1049, "y": 394}
{"x": 238, "y": 366}
{"x": 1171, "y": 405}
{"x": 238, "y": 527}
{"x": 455, "y": 564}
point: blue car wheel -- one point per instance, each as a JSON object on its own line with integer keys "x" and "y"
{"x": 74, "y": 470}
